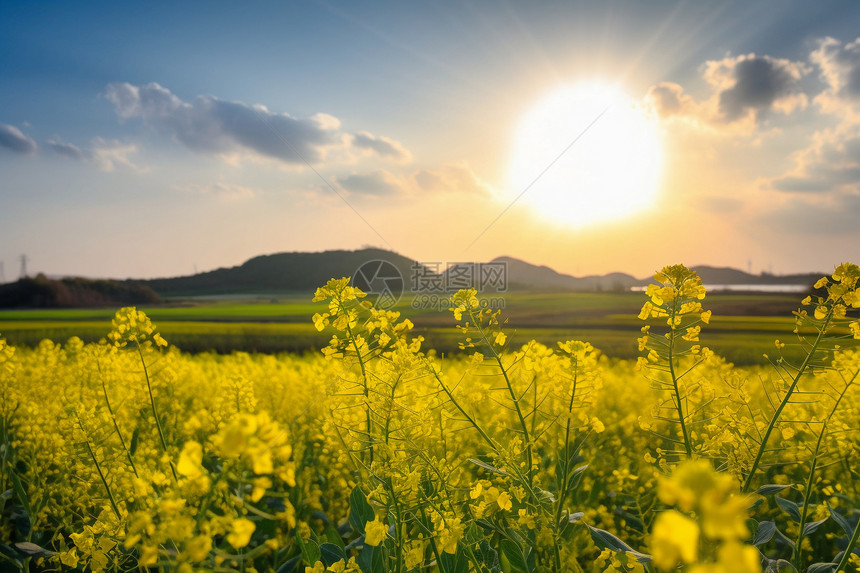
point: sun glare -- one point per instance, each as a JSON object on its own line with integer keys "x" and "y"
{"x": 611, "y": 171}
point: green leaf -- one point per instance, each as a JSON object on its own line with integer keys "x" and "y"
{"x": 813, "y": 525}
{"x": 782, "y": 537}
{"x": 379, "y": 559}
{"x": 514, "y": 555}
{"x": 840, "y": 519}
{"x": 488, "y": 467}
{"x": 779, "y": 565}
{"x": 18, "y": 487}
{"x": 771, "y": 489}
{"x": 135, "y": 438}
{"x": 544, "y": 496}
{"x": 31, "y": 549}
{"x": 14, "y": 556}
{"x": 473, "y": 534}
{"x": 575, "y": 476}
{"x": 606, "y": 540}
{"x": 290, "y": 565}
{"x": 456, "y": 563}
{"x": 574, "y": 517}
{"x": 764, "y": 532}
{"x": 310, "y": 550}
{"x": 365, "y": 558}
{"x": 489, "y": 557}
{"x": 8, "y": 494}
{"x": 331, "y": 554}
{"x": 360, "y": 512}
{"x": 332, "y": 536}
{"x": 789, "y": 507}
{"x": 822, "y": 568}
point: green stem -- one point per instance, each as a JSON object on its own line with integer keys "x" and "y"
{"x": 852, "y": 543}
{"x": 514, "y": 399}
{"x": 563, "y": 485}
{"x": 365, "y": 386}
{"x": 116, "y": 427}
{"x": 432, "y": 539}
{"x": 463, "y": 412}
{"x": 688, "y": 447}
{"x": 155, "y": 410}
{"x": 778, "y": 412}
{"x": 807, "y": 493}
{"x": 797, "y": 552}
{"x": 98, "y": 468}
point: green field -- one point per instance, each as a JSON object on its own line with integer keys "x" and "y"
{"x": 283, "y": 323}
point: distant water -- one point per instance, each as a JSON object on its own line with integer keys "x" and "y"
{"x": 746, "y": 288}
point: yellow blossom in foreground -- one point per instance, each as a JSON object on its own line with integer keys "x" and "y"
{"x": 190, "y": 460}
{"x": 675, "y": 539}
{"x": 240, "y": 533}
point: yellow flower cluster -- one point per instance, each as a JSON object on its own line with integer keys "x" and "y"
{"x": 842, "y": 295}
{"x": 707, "y": 531}
{"x": 133, "y": 326}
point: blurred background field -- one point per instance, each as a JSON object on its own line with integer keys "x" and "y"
{"x": 743, "y": 328}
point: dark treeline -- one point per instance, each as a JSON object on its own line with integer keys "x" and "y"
{"x": 42, "y": 292}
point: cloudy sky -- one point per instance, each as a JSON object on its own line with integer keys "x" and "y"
{"x": 153, "y": 139}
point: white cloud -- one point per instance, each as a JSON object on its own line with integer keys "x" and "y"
{"x": 450, "y": 178}
{"x": 67, "y": 150}
{"x": 831, "y": 163}
{"x": 668, "y": 99}
{"x": 379, "y": 182}
{"x": 381, "y": 145}
{"x": 447, "y": 178}
{"x": 750, "y": 85}
{"x": 211, "y": 125}
{"x": 839, "y": 67}
{"x": 746, "y": 91}
{"x": 108, "y": 154}
{"x": 12, "y": 139}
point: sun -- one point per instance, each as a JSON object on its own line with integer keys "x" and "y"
{"x": 586, "y": 154}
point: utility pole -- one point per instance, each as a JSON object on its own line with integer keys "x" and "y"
{"x": 24, "y": 259}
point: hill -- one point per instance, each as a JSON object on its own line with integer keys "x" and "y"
{"x": 730, "y": 276}
{"x": 281, "y": 272}
{"x": 522, "y": 275}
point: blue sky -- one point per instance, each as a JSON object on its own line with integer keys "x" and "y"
{"x": 130, "y": 144}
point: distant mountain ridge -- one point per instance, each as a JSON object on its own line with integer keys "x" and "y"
{"x": 304, "y": 272}
{"x": 728, "y": 275}
{"x": 523, "y": 275}
{"x": 280, "y": 272}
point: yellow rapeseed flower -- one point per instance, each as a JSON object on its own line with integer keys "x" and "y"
{"x": 240, "y": 532}
{"x": 190, "y": 460}
{"x": 375, "y": 532}
{"x": 674, "y": 539}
